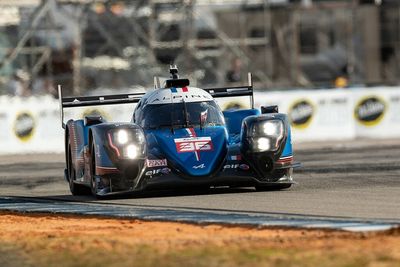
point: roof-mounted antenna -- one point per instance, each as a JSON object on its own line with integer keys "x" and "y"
{"x": 173, "y": 69}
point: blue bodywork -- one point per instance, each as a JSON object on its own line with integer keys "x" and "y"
{"x": 213, "y": 154}
{"x": 161, "y": 143}
{"x": 178, "y": 135}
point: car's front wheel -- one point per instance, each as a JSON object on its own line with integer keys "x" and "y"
{"x": 99, "y": 190}
{"x": 284, "y": 176}
{"x": 76, "y": 189}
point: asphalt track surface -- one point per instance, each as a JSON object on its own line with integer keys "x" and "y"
{"x": 349, "y": 180}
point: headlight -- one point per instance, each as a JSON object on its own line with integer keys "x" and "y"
{"x": 122, "y": 137}
{"x": 272, "y": 128}
{"x": 263, "y": 144}
{"x": 127, "y": 143}
{"x": 266, "y": 135}
{"x": 131, "y": 151}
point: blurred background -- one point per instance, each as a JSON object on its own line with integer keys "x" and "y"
{"x": 332, "y": 65}
{"x": 89, "y": 44}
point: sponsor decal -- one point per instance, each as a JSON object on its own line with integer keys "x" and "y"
{"x": 370, "y": 110}
{"x": 156, "y": 163}
{"x": 24, "y": 126}
{"x": 244, "y": 167}
{"x": 201, "y": 166}
{"x": 176, "y": 97}
{"x": 158, "y": 171}
{"x": 301, "y": 113}
{"x": 193, "y": 144}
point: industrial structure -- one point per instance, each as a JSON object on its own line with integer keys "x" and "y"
{"x": 92, "y": 44}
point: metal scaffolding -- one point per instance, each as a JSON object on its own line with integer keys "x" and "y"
{"x": 126, "y": 42}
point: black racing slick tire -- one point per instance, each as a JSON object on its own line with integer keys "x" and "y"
{"x": 76, "y": 189}
{"x": 93, "y": 182}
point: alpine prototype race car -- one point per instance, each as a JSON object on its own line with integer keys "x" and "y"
{"x": 178, "y": 136}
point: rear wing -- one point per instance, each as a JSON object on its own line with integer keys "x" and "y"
{"x": 84, "y": 101}
{"x": 234, "y": 91}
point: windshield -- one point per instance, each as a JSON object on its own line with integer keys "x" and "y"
{"x": 167, "y": 115}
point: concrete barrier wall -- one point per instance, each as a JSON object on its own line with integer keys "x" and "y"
{"x": 31, "y": 125}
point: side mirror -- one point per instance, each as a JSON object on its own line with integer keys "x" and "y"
{"x": 269, "y": 109}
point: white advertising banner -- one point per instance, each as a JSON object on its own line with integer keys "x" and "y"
{"x": 314, "y": 115}
{"x": 376, "y": 112}
{"x": 31, "y": 125}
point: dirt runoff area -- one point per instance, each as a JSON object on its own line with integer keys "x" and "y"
{"x": 64, "y": 240}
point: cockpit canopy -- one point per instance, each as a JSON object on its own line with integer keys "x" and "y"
{"x": 173, "y": 115}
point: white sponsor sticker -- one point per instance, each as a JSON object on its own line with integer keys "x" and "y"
{"x": 156, "y": 162}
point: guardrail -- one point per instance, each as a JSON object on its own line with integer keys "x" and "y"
{"x": 32, "y": 125}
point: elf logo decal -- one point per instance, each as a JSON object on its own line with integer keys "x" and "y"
{"x": 158, "y": 172}
{"x": 193, "y": 144}
{"x": 370, "y": 110}
{"x": 301, "y": 113}
{"x": 24, "y": 126}
{"x": 244, "y": 167}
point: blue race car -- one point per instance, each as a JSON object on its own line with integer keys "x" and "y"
{"x": 177, "y": 137}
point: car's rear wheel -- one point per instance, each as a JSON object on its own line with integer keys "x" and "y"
{"x": 76, "y": 189}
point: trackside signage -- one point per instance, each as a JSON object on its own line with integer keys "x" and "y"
{"x": 314, "y": 114}
{"x": 301, "y": 113}
{"x": 370, "y": 110}
{"x": 32, "y": 125}
{"x": 24, "y": 126}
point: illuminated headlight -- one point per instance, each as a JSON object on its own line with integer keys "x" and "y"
{"x": 263, "y": 143}
{"x": 122, "y": 137}
{"x": 131, "y": 151}
{"x": 127, "y": 143}
{"x": 266, "y": 135}
{"x": 272, "y": 128}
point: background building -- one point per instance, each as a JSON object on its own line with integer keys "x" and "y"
{"x": 110, "y": 44}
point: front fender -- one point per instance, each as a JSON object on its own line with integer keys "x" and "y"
{"x": 99, "y": 137}
{"x": 264, "y": 161}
